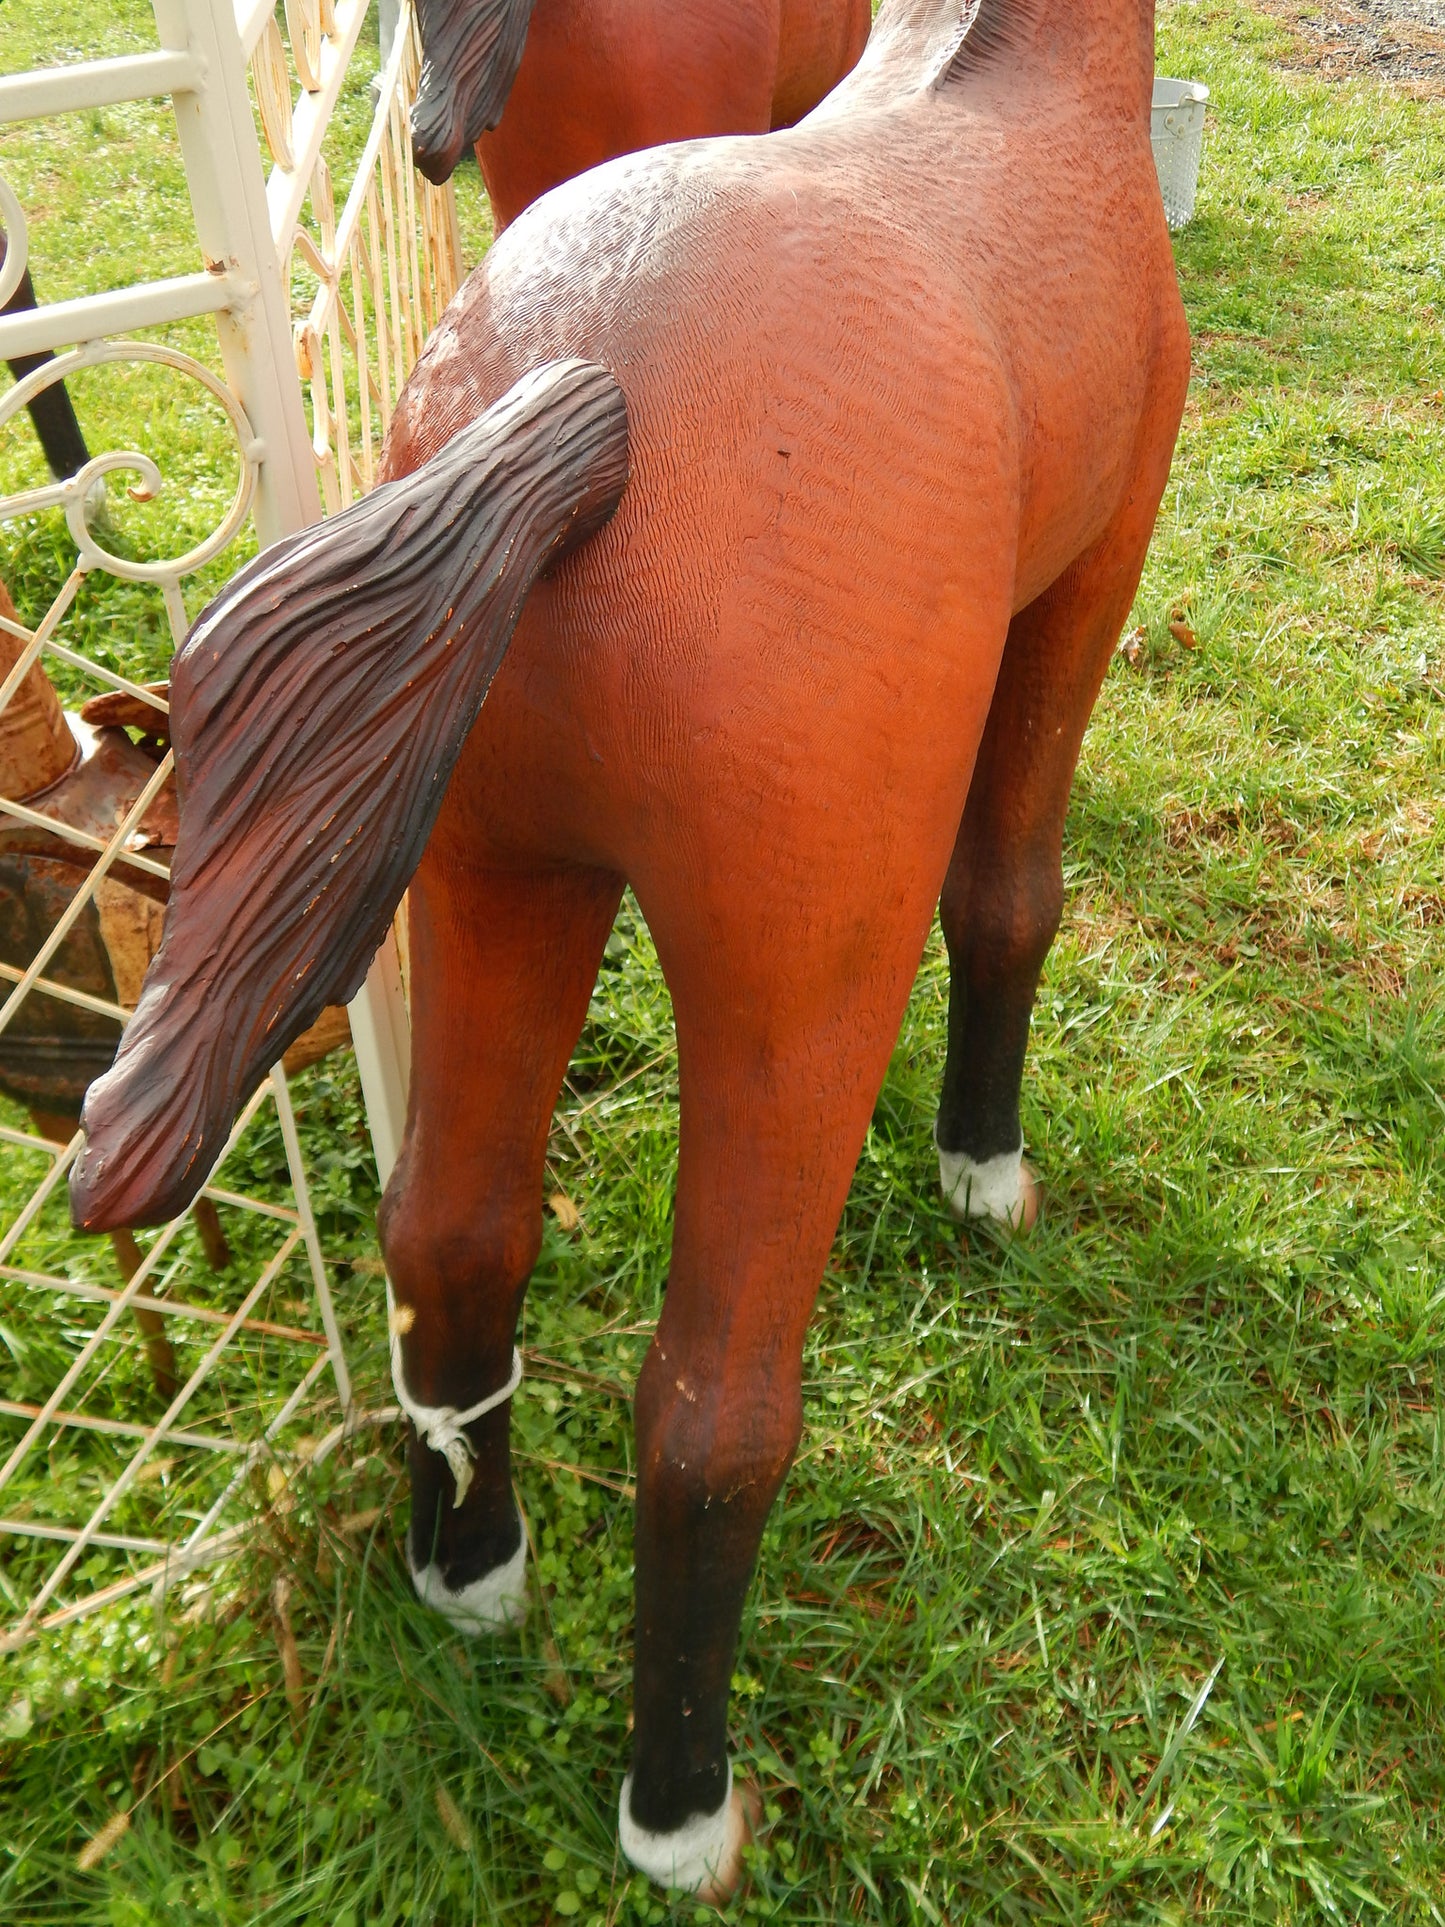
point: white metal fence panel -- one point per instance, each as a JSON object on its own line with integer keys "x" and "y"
{"x": 316, "y": 313}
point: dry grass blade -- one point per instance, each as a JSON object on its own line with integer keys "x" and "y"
{"x": 450, "y": 1815}
{"x": 564, "y": 1211}
{"x": 555, "y": 1679}
{"x": 286, "y": 1641}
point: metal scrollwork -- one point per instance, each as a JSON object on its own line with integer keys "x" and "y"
{"x": 17, "y": 241}
{"x": 272, "y": 80}
{"x": 79, "y": 496}
{"x": 303, "y": 22}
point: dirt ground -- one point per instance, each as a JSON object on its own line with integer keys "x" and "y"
{"x": 1425, "y": 13}
{"x": 1402, "y": 41}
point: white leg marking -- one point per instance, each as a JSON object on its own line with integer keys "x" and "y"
{"x": 488, "y": 1605}
{"x": 687, "y": 1858}
{"x": 993, "y": 1189}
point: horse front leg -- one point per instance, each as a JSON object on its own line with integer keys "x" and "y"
{"x": 503, "y": 965}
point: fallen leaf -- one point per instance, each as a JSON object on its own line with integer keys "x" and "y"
{"x": 286, "y": 1640}
{"x": 1131, "y": 647}
{"x": 555, "y": 1678}
{"x": 1183, "y": 634}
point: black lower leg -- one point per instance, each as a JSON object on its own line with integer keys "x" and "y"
{"x": 988, "y": 1035}
{"x": 694, "y": 1565}
{"x": 51, "y": 411}
{"x": 704, "y": 1490}
{"x": 1000, "y": 909}
{"x": 469, "y": 1540}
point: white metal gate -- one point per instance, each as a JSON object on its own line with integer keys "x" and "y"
{"x": 316, "y": 311}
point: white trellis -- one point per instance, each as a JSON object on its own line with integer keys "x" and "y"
{"x": 308, "y": 304}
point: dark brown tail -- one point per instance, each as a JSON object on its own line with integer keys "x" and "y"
{"x": 317, "y": 710}
{"x": 470, "y": 52}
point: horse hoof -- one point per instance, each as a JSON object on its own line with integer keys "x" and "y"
{"x": 745, "y": 1818}
{"x": 1002, "y": 1188}
{"x": 704, "y": 1857}
{"x": 488, "y": 1605}
{"x": 1026, "y": 1212}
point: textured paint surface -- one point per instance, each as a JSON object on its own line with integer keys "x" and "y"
{"x": 600, "y": 78}
{"x": 902, "y": 386}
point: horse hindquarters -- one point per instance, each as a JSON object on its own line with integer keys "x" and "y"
{"x": 316, "y": 725}
{"x": 603, "y": 78}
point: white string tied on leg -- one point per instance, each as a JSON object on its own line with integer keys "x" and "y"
{"x": 440, "y": 1426}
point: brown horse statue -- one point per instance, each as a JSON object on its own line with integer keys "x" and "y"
{"x": 810, "y": 479}
{"x": 545, "y": 89}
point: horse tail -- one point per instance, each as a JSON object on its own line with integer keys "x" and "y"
{"x": 317, "y": 710}
{"x": 470, "y": 52}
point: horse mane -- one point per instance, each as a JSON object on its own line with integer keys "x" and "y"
{"x": 999, "y": 28}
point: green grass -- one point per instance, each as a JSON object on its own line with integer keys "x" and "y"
{"x": 1190, "y": 1434}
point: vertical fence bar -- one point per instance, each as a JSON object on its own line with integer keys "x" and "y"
{"x": 227, "y": 186}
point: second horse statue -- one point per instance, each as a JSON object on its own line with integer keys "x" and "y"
{"x": 547, "y": 88}
{"x": 809, "y": 479}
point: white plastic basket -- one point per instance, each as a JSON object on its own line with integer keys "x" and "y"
{"x": 1176, "y": 128}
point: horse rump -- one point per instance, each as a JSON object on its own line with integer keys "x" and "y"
{"x": 317, "y": 709}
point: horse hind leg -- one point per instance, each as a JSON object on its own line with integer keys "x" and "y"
{"x": 503, "y": 965}
{"x": 1003, "y": 897}
{"x": 780, "y": 1072}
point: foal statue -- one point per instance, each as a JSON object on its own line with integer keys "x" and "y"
{"x": 809, "y": 478}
